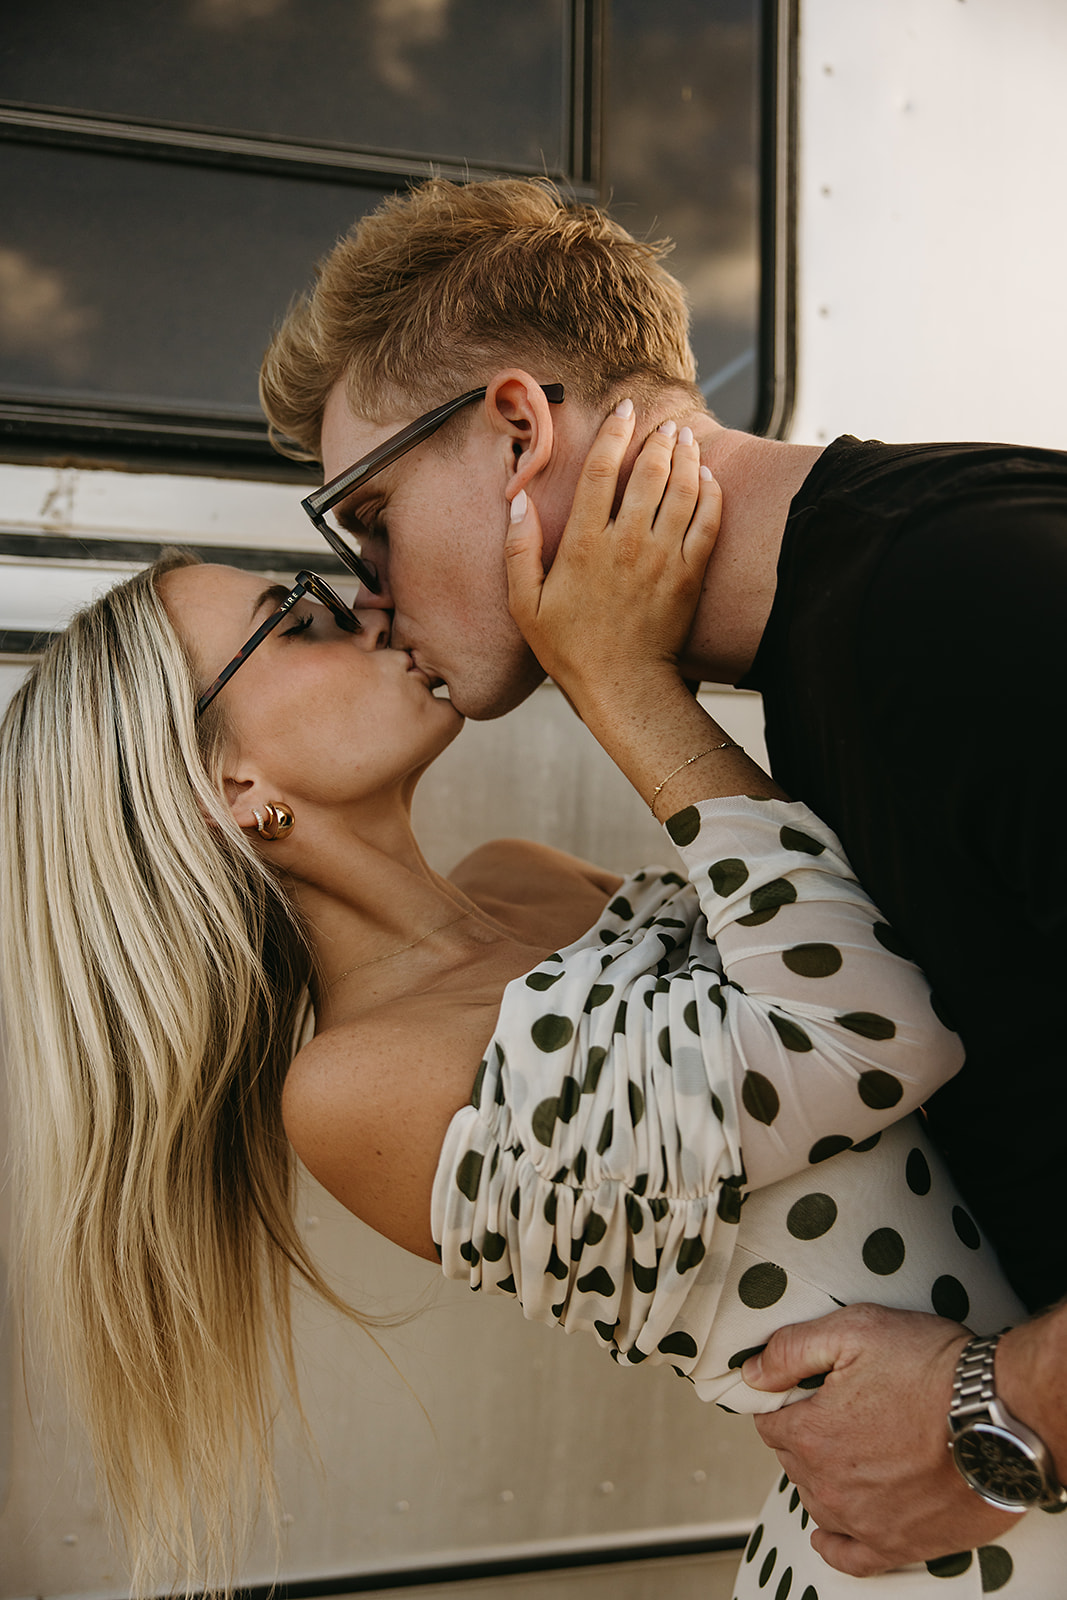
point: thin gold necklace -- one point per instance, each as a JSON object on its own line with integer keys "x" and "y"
{"x": 389, "y": 954}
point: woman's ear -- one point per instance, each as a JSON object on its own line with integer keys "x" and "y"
{"x": 520, "y": 412}
{"x": 243, "y": 798}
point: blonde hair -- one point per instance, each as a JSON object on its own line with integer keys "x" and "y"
{"x": 154, "y": 983}
{"x": 431, "y": 290}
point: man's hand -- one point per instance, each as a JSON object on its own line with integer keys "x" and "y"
{"x": 868, "y": 1451}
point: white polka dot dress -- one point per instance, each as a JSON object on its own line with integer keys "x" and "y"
{"x": 684, "y": 1135}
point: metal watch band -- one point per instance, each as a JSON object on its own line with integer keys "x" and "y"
{"x": 973, "y": 1388}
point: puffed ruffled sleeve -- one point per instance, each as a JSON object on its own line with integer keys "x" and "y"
{"x": 710, "y": 1034}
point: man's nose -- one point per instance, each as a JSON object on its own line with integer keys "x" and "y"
{"x": 374, "y": 624}
{"x": 366, "y": 599}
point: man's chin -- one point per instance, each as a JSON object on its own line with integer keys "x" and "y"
{"x": 486, "y": 702}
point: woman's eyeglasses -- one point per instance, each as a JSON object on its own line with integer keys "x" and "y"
{"x": 306, "y": 583}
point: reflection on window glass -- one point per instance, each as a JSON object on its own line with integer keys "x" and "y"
{"x": 177, "y": 275}
{"x": 453, "y": 79}
{"x": 682, "y": 159}
{"x": 153, "y": 284}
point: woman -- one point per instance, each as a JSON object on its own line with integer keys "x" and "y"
{"x": 216, "y": 822}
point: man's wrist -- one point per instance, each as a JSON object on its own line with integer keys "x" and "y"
{"x": 1002, "y": 1459}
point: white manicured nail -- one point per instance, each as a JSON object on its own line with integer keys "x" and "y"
{"x": 518, "y": 506}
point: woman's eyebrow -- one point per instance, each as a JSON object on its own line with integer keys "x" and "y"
{"x": 275, "y": 592}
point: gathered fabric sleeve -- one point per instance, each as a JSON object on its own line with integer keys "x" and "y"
{"x": 711, "y": 1034}
{"x": 831, "y": 1029}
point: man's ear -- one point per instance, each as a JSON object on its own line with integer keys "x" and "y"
{"x": 520, "y": 413}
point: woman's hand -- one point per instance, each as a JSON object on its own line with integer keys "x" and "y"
{"x": 617, "y": 604}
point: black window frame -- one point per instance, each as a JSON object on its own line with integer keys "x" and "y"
{"x": 168, "y": 440}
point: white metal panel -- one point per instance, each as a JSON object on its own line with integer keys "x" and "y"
{"x": 932, "y": 223}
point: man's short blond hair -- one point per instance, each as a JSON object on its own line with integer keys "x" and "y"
{"x": 433, "y": 291}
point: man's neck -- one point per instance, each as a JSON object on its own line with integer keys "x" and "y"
{"x": 759, "y": 478}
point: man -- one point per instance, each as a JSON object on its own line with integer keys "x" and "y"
{"x": 898, "y": 608}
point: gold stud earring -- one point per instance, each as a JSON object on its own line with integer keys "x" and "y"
{"x": 274, "y": 821}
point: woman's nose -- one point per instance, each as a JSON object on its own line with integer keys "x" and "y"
{"x": 374, "y": 626}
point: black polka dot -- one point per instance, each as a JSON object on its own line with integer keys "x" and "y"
{"x": 790, "y": 1033}
{"x": 556, "y": 1265}
{"x": 867, "y": 1144}
{"x": 599, "y": 1281}
{"x": 879, "y": 1090}
{"x": 606, "y": 1330}
{"x": 476, "y": 1092}
{"x": 868, "y": 1024}
{"x": 768, "y": 1567}
{"x": 469, "y": 1174}
{"x": 883, "y": 1251}
{"x": 684, "y": 826}
{"x": 717, "y": 998}
{"x": 542, "y": 980}
{"x": 543, "y": 1121}
{"x": 690, "y": 1018}
{"x": 785, "y": 1583}
{"x": 728, "y": 1206}
{"x": 759, "y": 1098}
{"x": 741, "y": 1356}
{"x": 728, "y": 876}
{"x": 595, "y": 1228}
{"x": 645, "y": 1278}
{"x": 551, "y": 1204}
{"x": 716, "y": 1106}
{"x": 621, "y": 907}
{"x": 637, "y": 1103}
{"x": 810, "y": 1593}
{"x": 794, "y": 1500}
{"x": 598, "y": 994}
{"x": 950, "y": 1299}
{"x": 594, "y": 1061}
{"x": 811, "y": 1216}
{"x": 831, "y": 1145}
{"x": 678, "y": 1344}
{"x": 619, "y": 1025}
{"x": 950, "y": 1566}
{"x": 766, "y": 901}
{"x": 606, "y": 1133}
{"x": 796, "y": 839}
{"x": 507, "y": 1285}
{"x": 690, "y": 1253}
{"x": 966, "y": 1229}
{"x": 634, "y": 1215}
{"x": 813, "y": 960}
{"x": 754, "y": 1542}
{"x": 493, "y": 1246}
{"x": 664, "y": 1043}
{"x": 762, "y": 1285}
{"x": 551, "y": 1032}
{"x": 917, "y": 1172}
{"x": 996, "y": 1566}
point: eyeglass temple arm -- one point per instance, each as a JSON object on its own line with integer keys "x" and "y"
{"x": 321, "y": 499}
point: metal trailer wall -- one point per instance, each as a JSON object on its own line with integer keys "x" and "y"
{"x": 931, "y": 233}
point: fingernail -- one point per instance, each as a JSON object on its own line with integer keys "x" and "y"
{"x": 518, "y": 506}
{"x": 668, "y": 428}
{"x": 625, "y": 408}
{"x": 706, "y": 473}
{"x": 752, "y": 1369}
{"x": 686, "y": 436}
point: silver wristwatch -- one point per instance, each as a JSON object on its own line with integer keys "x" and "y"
{"x": 1002, "y": 1460}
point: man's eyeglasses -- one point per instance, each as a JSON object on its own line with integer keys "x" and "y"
{"x": 306, "y": 583}
{"x": 316, "y": 505}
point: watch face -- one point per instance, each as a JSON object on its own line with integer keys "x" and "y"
{"x": 999, "y": 1465}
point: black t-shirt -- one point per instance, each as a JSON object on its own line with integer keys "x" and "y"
{"x": 912, "y": 671}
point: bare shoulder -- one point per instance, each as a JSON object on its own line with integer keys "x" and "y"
{"x": 525, "y": 867}
{"x": 366, "y": 1106}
